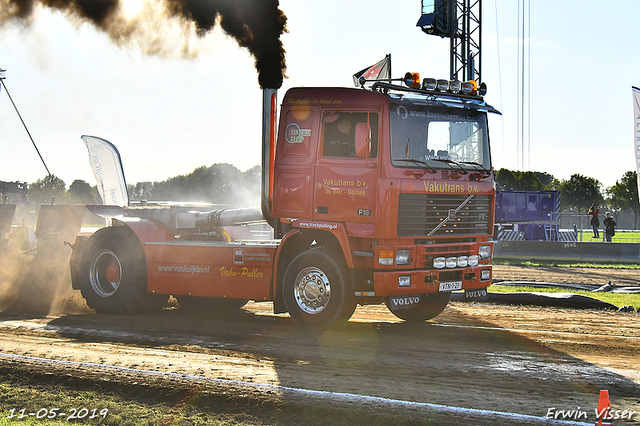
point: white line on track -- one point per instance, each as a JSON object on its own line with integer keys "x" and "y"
{"x": 525, "y": 330}
{"x": 337, "y": 396}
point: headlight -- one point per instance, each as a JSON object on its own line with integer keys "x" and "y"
{"x": 484, "y": 252}
{"x": 403, "y": 257}
{"x": 463, "y": 261}
{"x": 473, "y": 260}
{"x": 485, "y": 274}
{"x": 429, "y": 84}
{"x": 451, "y": 262}
{"x": 443, "y": 85}
{"x": 404, "y": 281}
{"x": 439, "y": 262}
{"x": 387, "y": 257}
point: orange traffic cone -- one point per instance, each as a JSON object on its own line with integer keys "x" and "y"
{"x": 603, "y": 412}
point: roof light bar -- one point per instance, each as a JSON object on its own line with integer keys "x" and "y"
{"x": 454, "y": 86}
{"x": 471, "y": 87}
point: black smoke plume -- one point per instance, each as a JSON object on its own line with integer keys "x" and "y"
{"x": 255, "y": 24}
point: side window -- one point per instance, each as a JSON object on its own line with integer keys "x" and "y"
{"x": 345, "y": 133}
{"x": 338, "y": 134}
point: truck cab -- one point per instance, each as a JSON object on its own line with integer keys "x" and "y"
{"x": 397, "y": 183}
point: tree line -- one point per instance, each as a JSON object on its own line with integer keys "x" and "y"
{"x": 217, "y": 184}
{"x": 225, "y": 184}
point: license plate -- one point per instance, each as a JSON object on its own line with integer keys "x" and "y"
{"x": 451, "y": 285}
{"x": 404, "y": 302}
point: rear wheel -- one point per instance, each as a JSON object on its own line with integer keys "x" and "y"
{"x": 315, "y": 291}
{"x": 113, "y": 274}
{"x": 430, "y": 306}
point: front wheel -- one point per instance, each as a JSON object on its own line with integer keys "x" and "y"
{"x": 430, "y": 306}
{"x": 315, "y": 291}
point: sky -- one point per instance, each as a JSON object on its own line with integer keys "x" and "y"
{"x": 168, "y": 114}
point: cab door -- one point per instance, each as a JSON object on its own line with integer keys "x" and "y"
{"x": 294, "y": 164}
{"x": 346, "y": 172}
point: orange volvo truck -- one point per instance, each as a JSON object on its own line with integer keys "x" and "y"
{"x": 379, "y": 194}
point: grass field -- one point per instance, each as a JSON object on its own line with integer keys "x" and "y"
{"x": 118, "y": 405}
{"x": 620, "y": 237}
{"x": 618, "y": 299}
{"x": 568, "y": 264}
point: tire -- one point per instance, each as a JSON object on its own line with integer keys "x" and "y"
{"x": 210, "y": 304}
{"x": 113, "y": 274}
{"x": 430, "y": 306}
{"x": 315, "y": 291}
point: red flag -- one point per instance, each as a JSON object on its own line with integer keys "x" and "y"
{"x": 378, "y": 71}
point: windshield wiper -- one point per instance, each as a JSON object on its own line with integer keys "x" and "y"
{"x": 450, "y": 162}
{"x": 418, "y": 162}
{"x": 477, "y": 164}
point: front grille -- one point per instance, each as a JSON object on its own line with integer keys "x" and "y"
{"x": 420, "y": 214}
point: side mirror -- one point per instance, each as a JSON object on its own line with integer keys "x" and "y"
{"x": 362, "y": 140}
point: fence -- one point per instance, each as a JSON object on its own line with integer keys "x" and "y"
{"x": 567, "y": 251}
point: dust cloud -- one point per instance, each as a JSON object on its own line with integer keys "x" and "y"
{"x": 36, "y": 280}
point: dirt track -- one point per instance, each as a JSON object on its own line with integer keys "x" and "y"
{"x": 625, "y": 277}
{"x": 522, "y": 360}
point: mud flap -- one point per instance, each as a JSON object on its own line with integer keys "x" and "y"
{"x": 476, "y": 294}
{"x": 405, "y": 302}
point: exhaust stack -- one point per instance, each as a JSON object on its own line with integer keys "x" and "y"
{"x": 269, "y": 110}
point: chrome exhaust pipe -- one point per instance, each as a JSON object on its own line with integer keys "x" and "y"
{"x": 269, "y": 110}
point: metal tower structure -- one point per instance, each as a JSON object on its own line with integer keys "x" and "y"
{"x": 459, "y": 20}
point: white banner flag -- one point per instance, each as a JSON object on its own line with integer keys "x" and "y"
{"x": 107, "y": 168}
{"x": 636, "y": 130}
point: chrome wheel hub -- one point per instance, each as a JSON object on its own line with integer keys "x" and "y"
{"x": 312, "y": 290}
{"x": 105, "y": 273}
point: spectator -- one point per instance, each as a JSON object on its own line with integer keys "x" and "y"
{"x": 609, "y": 227}
{"x": 594, "y": 211}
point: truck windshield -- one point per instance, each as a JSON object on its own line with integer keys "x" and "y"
{"x": 439, "y": 138}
